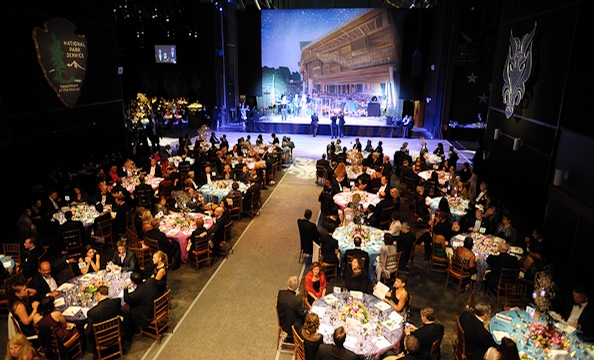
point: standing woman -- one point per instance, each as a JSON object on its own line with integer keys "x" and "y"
{"x": 315, "y": 283}
{"x": 160, "y": 270}
{"x": 22, "y": 308}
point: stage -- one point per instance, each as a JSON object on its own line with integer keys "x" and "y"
{"x": 354, "y": 126}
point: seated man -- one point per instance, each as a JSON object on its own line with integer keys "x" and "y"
{"x": 478, "y": 339}
{"x": 43, "y": 284}
{"x": 336, "y": 351}
{"x": 329, "y": 246}
{"x": 580, "y": 315}
{"x": 429, "y": 332}
{"x": 254, "y": 189}
{"x": 168, "y": 247}
{"x": 412, "y": 350}
{"x": 124, "y": 259}
{"x": 217, "y": 232}
{"x": 499, "y": 262}
{"x": 141, "y": 301}
{"x": 290, "y": 309}
{"x": 105, "y": 309}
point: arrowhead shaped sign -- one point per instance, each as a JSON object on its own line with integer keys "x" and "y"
{"x": 62, "y": 55}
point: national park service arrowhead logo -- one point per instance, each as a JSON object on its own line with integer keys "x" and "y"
{"x": 62, "y": 55}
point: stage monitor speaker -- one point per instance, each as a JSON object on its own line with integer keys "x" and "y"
{"x": 373, "y": 109}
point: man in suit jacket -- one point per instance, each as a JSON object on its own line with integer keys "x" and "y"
{"x": 499, "y": 262}
{"x": 405, "y": 243}
{"x": 329, "y": 246}
{"x": 336, "y": 351}
{"x": 356, "y": 252}
{"x": 168, "y": 247}
{"x": 378, "y": 209}
{"x": 154, "y": 169}
{"x": 30, "y": 262}
{"x": 357, "y": 146}
{"x": 105, "y": 309}
{"x": 141, "y": 301}
{"x": 476, "y": 223}
{"x": 254, "y": 189}
{"x": 429, "y": 332}
{"x": 42, "y": 284}
{"x": 124, "y": 259}
{"x": 308, "y": 232}
{"x": 579, "y": 314}
{"x": 144, "y": 187}
{"x": 478, "y": 338}
{"x": 290, "y": 309}
{"x": 217, "y": 232}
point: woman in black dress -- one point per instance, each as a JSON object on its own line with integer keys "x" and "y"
{"x": 311, "y": 339}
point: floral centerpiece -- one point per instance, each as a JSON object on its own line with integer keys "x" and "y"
{"x": 544, "y": 335}
{"x": 457, "y": 204}
{"x": 354, "y": 309}
{"x": 355, "y": 158}
{"x": 221, "y": 184}
{"x": 543, "y": 291}
{"x": 92, "y": 285}
{"x": 360, "y": 231}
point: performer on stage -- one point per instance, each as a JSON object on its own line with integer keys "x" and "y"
{"x": 283, "y": 106}
{"x": 303, "y": 105}
{"x": 314, "y": 124}
{"x": 333, "y": 127}
{"x": 341, "y": 125}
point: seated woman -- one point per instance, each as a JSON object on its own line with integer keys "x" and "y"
{"x": 397, "y": 297}
{"x": 506, "y": 230}
{"x": 395, "y": 224}
{"x": 531, "y": 262}
{"x": 91, "y": 261}
{"x": 311, "y": 339}
{"x": 356, "y": 277}
{"x": 388, "y": 249}
{"x": 465, "y": 252}
{"x": 439, "y": 245}
{"x": 315, "y": 283}
{"x": 341, "y": 177}
{"x": 395, "y": 195}
{"x": 80, "y": 197}
{"x": 507, "y": 350}
{"x": 227, "y": 173}
{"x": 51, "y": 318}
{"x": 162, "y": 206}
{"x": 19, "y": 348}
{"x": 23, "y": 309}
{"x": 160, "y": 269}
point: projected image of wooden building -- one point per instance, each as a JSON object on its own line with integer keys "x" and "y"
{"x": 357, "y": 60}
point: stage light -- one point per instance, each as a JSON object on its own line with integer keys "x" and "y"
{"x": 517, "y": 144}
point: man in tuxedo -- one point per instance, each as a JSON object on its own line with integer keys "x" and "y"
{"x": 386, "y": 166}
{"x": 206, "y": 176}
{"x": 254, "y": 189}
{"x": 412, "y": 350}
{"x": 357, "y": 146}
{"x": 42, "y": 284}
{"x": 429, "y": 332}
{"x": 481, "y": 198}
{"x": 477, "y": 223}
{"x": 329, "y": 246}
{"x": 30, "y": 262}
{"x": 378, "y": 209}
{"x": 141, "y": 301}
{"x": 478, "y": 338}
{"x": 217, "y": 232}
{"x": 50, "y": 205}
{"x": 356, "y": 252}
{"x": 579, "y": 314}
{"x": 103, "y": 196}
{"x": 168, "y": 247}
{"x": 405, "y": 243}
{"x": 499, "y": 262}
{"x": 290, "y": 309}
{"x": 336, "y": 351}
{"x": 308, "y": 232}
{"x": 154, "y": 169}
{"x": 105, "y": 309}
{"x": 124, "y": 259}
{"x": 144, "y": 187}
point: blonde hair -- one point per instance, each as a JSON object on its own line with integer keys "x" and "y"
{"x": 26, "y": 348}
{"x": 340, "y": 169}
{"x": 161, "y": 255}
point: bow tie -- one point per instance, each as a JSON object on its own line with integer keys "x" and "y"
{"x": 578, "y": 305}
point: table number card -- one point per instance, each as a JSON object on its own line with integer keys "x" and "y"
{"x": 337, "y": 290}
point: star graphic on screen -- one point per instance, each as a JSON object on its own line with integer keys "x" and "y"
{"x": 483, "y": 98}
{"x": 472, "y": 78}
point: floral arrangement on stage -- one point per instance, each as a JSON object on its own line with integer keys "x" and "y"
{"x": 92, "y": 285}
{"x": 354, "y": 309}
{"x": 544, "y": 335}
{"x": 543, "y": 291}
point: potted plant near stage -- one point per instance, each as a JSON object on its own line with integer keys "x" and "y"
{"x": 391, "y": 115}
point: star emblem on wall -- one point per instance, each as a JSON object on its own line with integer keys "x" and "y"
{"x": 483, "y": 98}
{"x": 472, "y": 78}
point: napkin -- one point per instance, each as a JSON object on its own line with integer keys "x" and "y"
{"x": 6, "y": 264}
{"x": 357, "y": 294}
{"x": 353, "y": 323}
{"x": 350, "y": 342}
{"x": 320, "y": 311}
{"x": 383, "y": 306}
{"x": 500, "y": 335}
{"x": 325, "y": 330}
{"x": 59, "y": 302}
{"x": 65, "y": 287}
{"x": 565, "y": 327}
{"x": 381, "y": 342}
{"x": 71, "y": 311}
{"x": 395, "y": 316}
{"x": 330, "y": 299}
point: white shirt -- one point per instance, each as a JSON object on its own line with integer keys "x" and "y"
{"x": 51, "y": 283}
{"x": 208, "y": 180}
{"x": 576, "y": 312}
{"x": 152, "y": 170}
{"x": 382, "y": 188}
{"x": 480, "y": 196}
{"x": 477, "y": 224}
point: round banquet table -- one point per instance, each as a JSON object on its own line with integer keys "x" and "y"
{"x": 433, "y": 160}
{"x": 218, "y": 190}
{"x": 180, "y": 226}
{"x": 69, "y": 301}
{"x": 370, "y": 340}
{"x": 517, "y": 324}
{"x": 251, "y": 163}
{"x": 177, "y": 159}
{"x": 130, "y": 183}
{"x": 342, "y": 199}
{"x": 443, "y": 176}
{"x": 373, "y": 240}
{"x": 458, "y": 206}
{"x": 484, "y": 245}
{"x": 352, "y": 174}
{"x": 7, "y": 262}
{"x": 84, "y": 213}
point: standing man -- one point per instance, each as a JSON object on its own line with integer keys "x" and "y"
{"x": 333, "y": 126}
{"x": 341, "y": 124}
{"x": 314, "y": 124}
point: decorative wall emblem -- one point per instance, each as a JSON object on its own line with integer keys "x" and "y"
{"x": 517, "y": 70}
{"x": 62, "y": 55}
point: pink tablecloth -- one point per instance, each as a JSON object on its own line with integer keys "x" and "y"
{"x": 180, "y": 226}
{"x": 344, "y": 198}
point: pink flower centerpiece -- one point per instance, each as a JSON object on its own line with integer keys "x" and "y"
{"x": 355, "y": 310}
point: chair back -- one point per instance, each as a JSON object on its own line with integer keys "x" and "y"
{"x": 471, "y": 301}
{"x": 140, "y": 254}
{"x": 162, "y": 308}
{"x": 458, "y": 266}
{"x": 227, "y": 232}
{"x": 144, "y": 198}
{"x": 108, "y": 336}
{"x": 280, "y": 343}
{"x": 299, "y": 345}
{"x": 361, "y": 261}
{"x": 133, "y": 239}
{"x": 130, "y": 226}
{"x": 515, "y": 297}
{"x": 386, "y": 218}
{"x": 104, "y": 231}
{"x": 10, "y": 280}
{"x": 152, "y": 244}
{"x": 235, "y": 206}
{"x": 508, "y": 278}
{"x": 435, "y": 352}
{"x": 460, "y": 344}
{"x": 304, "y": 297}
{"x": 12, "y": 250}
{"x": 393, "y": 260}
{"x": 73, "y": 243}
